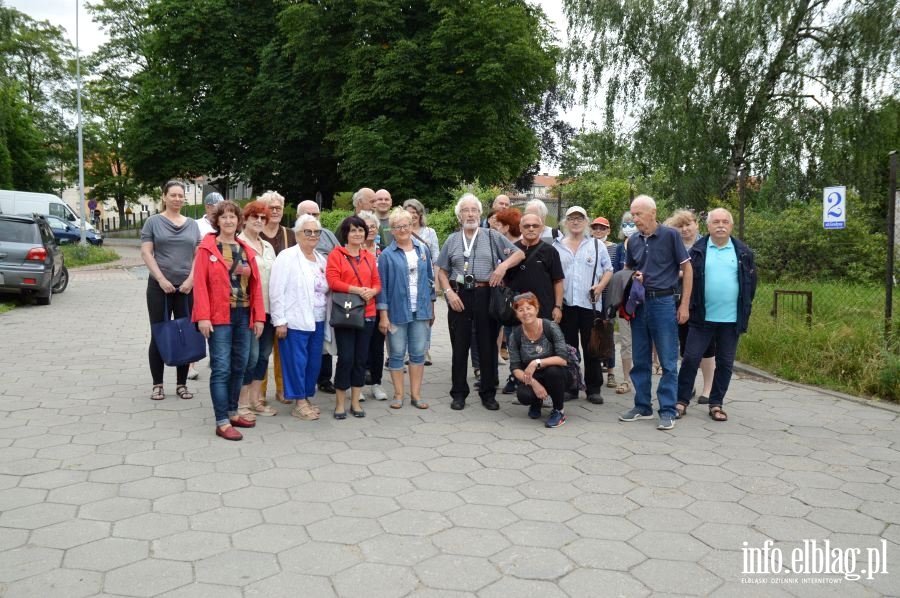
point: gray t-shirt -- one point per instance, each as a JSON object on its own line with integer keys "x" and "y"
{"x": 173, "y": 246}
{"x": 523, "y": 351}
{"x": 481, "y": 261}
{"x": 327, "y": 242}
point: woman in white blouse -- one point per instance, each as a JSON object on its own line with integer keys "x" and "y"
{"x": 299, "y": 300}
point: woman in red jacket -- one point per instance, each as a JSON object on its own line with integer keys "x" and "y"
{"x": 352, "y": 269}
{"x": 228, "y": 308}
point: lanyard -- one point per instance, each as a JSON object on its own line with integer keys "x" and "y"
{"x": 467, "y": 248}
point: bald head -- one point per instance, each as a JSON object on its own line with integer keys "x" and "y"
{"x": 364, "y": 200}
{"x": 383, "y": 203}
{"x": 308, "y": 207}
{"x": 643, "y": 209}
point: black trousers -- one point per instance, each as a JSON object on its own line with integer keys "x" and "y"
{"x": 326, "y": 370}
{"x": 476, "y": 302}
{"x": 553, "y": 378}
{"x": 375, "y": 364}
{"x": 578, "y": 321}
{"x": 160, "y": 308}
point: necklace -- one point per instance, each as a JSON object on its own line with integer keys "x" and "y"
{"x": 528, "y": 334}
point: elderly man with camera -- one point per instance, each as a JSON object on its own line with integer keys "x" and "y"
{"x": 471, "y": 261}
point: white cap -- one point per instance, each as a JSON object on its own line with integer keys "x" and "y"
{"x": 576, "y": 210}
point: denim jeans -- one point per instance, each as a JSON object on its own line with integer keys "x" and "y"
{"x": 301, "y": 351}
{"x": 353, "y": 351}
{"x": 725, "y": 338}
{"x": 260, "y": 351}
{"x": 655, "y": 323}
{"x": 412, "y": 337}
{"x": 229, "y": 350}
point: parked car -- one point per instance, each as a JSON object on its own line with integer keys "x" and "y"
{"x": 30, "y": 260}
{"x": 67, "y": 233}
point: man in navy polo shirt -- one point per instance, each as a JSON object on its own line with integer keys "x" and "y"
{"x": 656, "y": 255}
{"x": 723, "y": 290}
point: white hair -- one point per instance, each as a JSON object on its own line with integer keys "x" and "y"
{"x": 367, "y": 215}
{"x": 711, "y": 212}
{"x": 467, "y": 197}
{"x": 304, "y": 219}
{"x": 270, "y": 195}
{"x": 645, "y": 200}
{"x": 538, "y": 206}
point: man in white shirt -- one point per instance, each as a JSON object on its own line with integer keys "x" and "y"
{"x": 205, "y": 222}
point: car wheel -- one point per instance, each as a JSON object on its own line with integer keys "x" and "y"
{"x": 60, "y": 286}
{"x": 43, "y": 300}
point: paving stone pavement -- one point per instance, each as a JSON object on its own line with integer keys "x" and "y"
{"x": 105, "y": 493}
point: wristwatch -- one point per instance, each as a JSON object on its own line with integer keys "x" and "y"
{"x": 559, "y": 307}
{"x": 538, "y": 363}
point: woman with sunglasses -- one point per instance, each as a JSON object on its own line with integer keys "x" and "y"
{"x": 538, "y": 359}
{"x": 300, "y": 300}
{"x": 250, "y": 404}
{"x": 280, "y": 238}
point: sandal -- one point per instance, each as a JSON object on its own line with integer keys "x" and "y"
{"x": 397, "y": 403}
{"x": 680, "y": 410}
{"x": 717, "y": 414}
{"x": 418, "y": 403}
{"x": 158, "y": 393}
{"x": 303, "y": 410}
{"x": 279, "y": 396}
{"x": 623, "y": 388}
{"x": 260, "y": 408}
{"x": 183, "y": 393}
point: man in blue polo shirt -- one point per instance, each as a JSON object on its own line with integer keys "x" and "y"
{"x": 724, "y": 285}
{"x": 656, "y": 255}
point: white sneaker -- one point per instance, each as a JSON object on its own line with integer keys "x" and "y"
{"x": 193, "y": 374}
{"x": 378, "y": 393}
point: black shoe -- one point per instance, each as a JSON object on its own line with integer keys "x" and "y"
{"x": 458, "y": 404}
{"x": 595, "y": 398}
{"x": 327, "y": 386}
{"x": 490, "y": 404}
{"x": 368, "y": 380}
{"x": 510, "y": 387}
{"x": 570, "y": 396}
{"x": 703, "y": 400}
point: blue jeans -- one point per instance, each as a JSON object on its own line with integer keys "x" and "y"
{"x": 353, "y": 352}
{"x": 260, "y": 351}
{"x": 412, "y": 337}
{"x": 725, "y": 336}
{"x": 655, "y": 323}
{"x": 301, "y": 359}
{"x": 229, "y": 350}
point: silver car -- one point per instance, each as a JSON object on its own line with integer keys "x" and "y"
{"x": 30, "y": 260}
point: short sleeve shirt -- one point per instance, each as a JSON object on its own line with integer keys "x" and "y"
{"x": 173, "y": 246}
{"x": 720, "y": 281}
{"x": 481, "y": 261}
{"x": 537, "y": 273}
{"x": 659, "y": 256}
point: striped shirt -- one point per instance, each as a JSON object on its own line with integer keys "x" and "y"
{"x": 481, "y": 262}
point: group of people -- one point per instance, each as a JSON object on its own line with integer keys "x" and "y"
{"x": 259, "y": 292}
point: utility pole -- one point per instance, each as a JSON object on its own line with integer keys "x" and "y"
{"x": 80, "y": 145}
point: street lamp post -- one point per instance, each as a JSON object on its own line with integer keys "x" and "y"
{"x": 78, "y": 110}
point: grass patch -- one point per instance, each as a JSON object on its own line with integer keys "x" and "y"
{"x": 6, "y": 306}
{"x": 87, "y": 255}
{"x": 843, "y": 348}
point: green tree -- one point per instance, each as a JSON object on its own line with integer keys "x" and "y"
{"x": 711, "y": 84}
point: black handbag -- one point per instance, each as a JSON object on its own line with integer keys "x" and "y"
{"x": 178, "y": 341}
{"x": 501, "y": 305}
{"x": 348, "y": 310}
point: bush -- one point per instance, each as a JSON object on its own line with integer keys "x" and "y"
{"x": 331, "y": 219}
{"x": 86, "y": 255}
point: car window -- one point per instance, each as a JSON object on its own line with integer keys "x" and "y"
{"x": 17, "y": 231}
{"x": 46, "y": 233}
{"x": 57, "y": 209}
{"x": 57, "y": 224}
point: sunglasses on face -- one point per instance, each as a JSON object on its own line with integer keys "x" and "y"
{"x": 311, "y": 233}
{"x": 258, "y": 217}
{"x": 599, "y": 227}
{"x": 530, "y": 226}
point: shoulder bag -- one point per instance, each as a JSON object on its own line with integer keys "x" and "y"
{"x": 348, "y": 310}
{"x": 178, "y": 341}
{"x": 602, "y": 344}
{"x": 501, "y": 306}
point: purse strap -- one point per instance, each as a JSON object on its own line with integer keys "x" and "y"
{"x": 355, "y": 271}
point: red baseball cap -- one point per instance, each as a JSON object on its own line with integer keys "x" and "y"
{"x": 601, "y": 220}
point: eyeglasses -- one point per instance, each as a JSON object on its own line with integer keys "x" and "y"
{"x": 373, "y": 227}
{"x": 258, "y": 217}
{"x": 575, "y": 217}
{"x": 276, "y": 208}
{"x": 313, "y": 214}
{"x": 400, "y": 227}
{"x": 311, "y": 233}
{"x": 529, "y": 226}
{"x": 599, "y": 227}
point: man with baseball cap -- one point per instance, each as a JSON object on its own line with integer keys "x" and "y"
{"x": 205, "y": 222}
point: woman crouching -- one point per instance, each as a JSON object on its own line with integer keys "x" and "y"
{"x": 228, "y": 308}
{"x": 537, "y": 357}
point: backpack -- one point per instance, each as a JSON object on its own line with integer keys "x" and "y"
{"x": 574, "y": 379}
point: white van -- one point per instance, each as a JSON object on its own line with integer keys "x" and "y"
{"x": 26, "y": 202}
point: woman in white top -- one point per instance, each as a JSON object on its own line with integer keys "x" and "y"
{"x": 300, "y": 301}
{"x": 427, "y": 235}
{"x": 250, "y": 404}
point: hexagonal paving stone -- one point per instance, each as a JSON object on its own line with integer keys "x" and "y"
{"x": 450, "y": 482}
{"x": 148, "y": 578}
{"x": 470, "y": 541}
{"x": 499, "y": 477}
{"x": 846, "y": 521}
{"x": 604, "y": 504}
{"x": 499, "y": 496}
{"x": 397, "y": 550}
{"x": 28, "y": 560}
{"x": 254, "y": 497}
{"x": 13, "y": 538}
{"x": 660, "y": 497}
{"x": 13, "y": 498}
{"x": 38, "y": 515}
{"x": 150, "y": 526}
{"x": 524, "y": 588}
{"x": 604, "y": 554}
{"x": 205, "y": 590}
{"x": 319, "y": 558}
{"x": 190, "y": 545}
{"x": 115, "y": 509}
{"x": 187, "y": 503}
{"x": 152, "y": 488}
{"x": 430, "y": 500}
{"x": 119, "y": 474}
{"x": 664, "y": 520}
{"x": 528, "y": 562}
{"x": 539, "y": 534}
{"x": 382, "y": 486}
{"x": 236, "y": 567}
{"x": 676, "y": 577}
{"x": 69, "y": 533}
{"x": 591, "y": 583}
{"x": 226, "y": 519}
{"x": 443, "y": 572}
{"x": 280, "y": 478}
{"x": 373, "y": 580}
{"x": 83, "y": 493}
{"x": 218, "y": 482}
{"x": 106, "y": 554}
{"x": 788, "y": 529}
{"x": 364, "y": 506}
{"x": 414, "y": 523}
{"x": 287, "y": 585}
{"x": 343, "y": 530}
{"x": 481, "y": 516}
{"x": 669, "y": 545}
{"x": 544, "y": 510}
{"x": 268, "y": 537}
{"x": 70, "y": 583}
{"x": 297, "y": 513}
